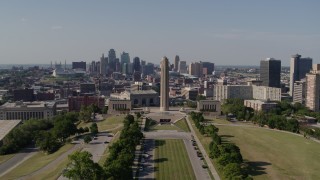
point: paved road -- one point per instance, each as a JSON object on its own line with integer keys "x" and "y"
{"x": 96, "y": 147}
{"x": 200, "y": 173}
{"x": 16, "y": 160}
{"x": 205, "y": 155}
{"x": 148, "y": 166}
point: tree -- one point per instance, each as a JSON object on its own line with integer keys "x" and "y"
{"x": 87, "y": 139}
{"x": 85, "y": 114}
{"x": 138, "y": 115}
{"x": 232, "y": 171}
{"x": 47, "y": 142}
{"x": 94, "y": 128}
{"x": 63, "y": 128}
{"x": 82, "y": 167}
{"x": 200, "y": 97}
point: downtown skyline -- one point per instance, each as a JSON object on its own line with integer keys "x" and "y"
{"x": 225, "y": 33}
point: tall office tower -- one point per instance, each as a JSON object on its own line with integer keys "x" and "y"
{"x": 130, "y": 68}
{"x": 124, "y": 58}
{"x": 196, "y": 69}
{"x": 148, "y": 69}
{"x": 176, "y": 63}
{"x": 103, "y": 65}
{"x": 136, "y": 64}
{"x": 182, "y": 67}
{"x": 270, "y": 72}
{"x": 143, "y": 63}
{"x": 208, "y": 68}
{"x": 112, "y": 59}
{"x": 164, "y": 84}
{"x": 117, "y": 65}
{"x": 299, "y": 67}
{"x": 313, "y": 88}
{"x": 124, "y": 68}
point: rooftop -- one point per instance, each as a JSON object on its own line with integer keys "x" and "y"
{"x": 33, "y": 104}
{"x": 143, "y": 92}
{"x": 6, "y": 126}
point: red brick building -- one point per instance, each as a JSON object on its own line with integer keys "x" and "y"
{"x": 75, "y": 102}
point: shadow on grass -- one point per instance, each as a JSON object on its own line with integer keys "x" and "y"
{"x": 150, "y": 124}
{"x": 160, "y": 143}
{"x": 160, "y": 160}
{"x": 256, "y": 168}
{"x": 225, "y": 139}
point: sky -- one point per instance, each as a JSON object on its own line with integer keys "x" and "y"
{"x": 223, "y": 32}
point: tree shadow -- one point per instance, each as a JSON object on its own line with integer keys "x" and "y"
{"x": 256, "y": 168}
{"x": 160, "y": 160}
{"x": 159, "y": 143}
{"x": 225, "y": 139}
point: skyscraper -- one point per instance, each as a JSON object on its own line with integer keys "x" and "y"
{"x": 196, "y": 69}
{"x": 112, "y": 59}
{"x": 124, "y": 58}
{"x": 176, "y": 63}
{"x": 136, "y": 64}
{"x": 103, "y": 65}
{"x": 313, "y": 88}
{"x": 164, "y": 84}
{"x": 299, "y": 67}
{"x": 270, "y": 72}
{"x": 182, "y": 67}
{"x": 208, "y": 68}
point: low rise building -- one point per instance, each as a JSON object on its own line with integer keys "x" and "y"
{"x": 76, "y": 102}
{"x": 27, "y": 110}
{"x": 223, "y": 92}
{"x": 211, "y": 106}
{"x": 260, "y": 105}
{"x": 119, "y": 106}
{"x": 139, "y": 98}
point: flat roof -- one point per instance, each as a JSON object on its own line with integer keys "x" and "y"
{"x": 6, "y": 126}
{"x": 143, "y": 92}
{"x": 29, "y": 104}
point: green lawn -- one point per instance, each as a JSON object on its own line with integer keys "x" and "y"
{"x": 34, "y": 163}
{"x": 182, "y": 124}
{"x": 216, "y": 120}
{"x": 4, "y": 158}
{"x": 172, "y": 161}
{"x": 275, "y": 155}
{"x": 53, "y": 173}
{"x": 164, "y": 127}
{"x": 106, "y": 124}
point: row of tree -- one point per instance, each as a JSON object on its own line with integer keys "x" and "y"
{"x": 48, "y": 135}
{"x": 281, "y": 117}
{"x": 228, "y": 155}
{"x": 23, "y": 135}
{"x": 119, "y": 162}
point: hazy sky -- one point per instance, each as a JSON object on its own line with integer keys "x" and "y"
{"x": 224, "y": 32}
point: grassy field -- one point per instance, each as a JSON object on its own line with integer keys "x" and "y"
{"x": 216, "y": 120}
{"x": 34, "y": 163}
{"x": 108, "y": 123}
{"x": 164, "y": 127}
{"x": 53, "y": 173}
{"x": 172, "y": 161}
{"x": 182, "y": 124}
{"x": 4, "y": 158}
{"x": 275, "y": 155}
